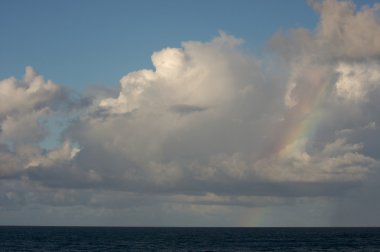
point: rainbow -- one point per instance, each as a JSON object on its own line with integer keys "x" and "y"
{"x": 256, "y": 217}
{"x": 303, "y": 119}
{"x": 299, "y": 127}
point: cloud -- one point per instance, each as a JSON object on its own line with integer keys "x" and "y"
{"x": 243, "y": 136}
{"x": 358, "y": 80}
{"x": 184, "y": 109}
{"x": 337, "y": 162}
{"x": 210, "y": 125}
{"x": 24, "y": 105}
{"x": 346, "y": 33}
{"x": 64, "y": 153}
{"x": 30, "y": 93}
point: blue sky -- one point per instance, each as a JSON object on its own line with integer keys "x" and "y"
{"x": 159, "y": 107}
{"x": 80, "y": 43}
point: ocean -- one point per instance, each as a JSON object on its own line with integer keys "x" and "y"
{"x": 187, "y": 239}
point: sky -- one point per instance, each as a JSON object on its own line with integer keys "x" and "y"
{"x": 92, "y": 42}
{"x": 190, "y": 113}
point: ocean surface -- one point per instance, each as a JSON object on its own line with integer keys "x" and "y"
{"x": 188, "y": 239}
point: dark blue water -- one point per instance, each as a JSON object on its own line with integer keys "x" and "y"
{"x": 188, "y": 239}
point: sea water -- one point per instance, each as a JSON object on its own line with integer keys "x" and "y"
{"x": 188, "y": 239}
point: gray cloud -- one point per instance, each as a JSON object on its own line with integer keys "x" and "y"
{"x": 184, "y": 109}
